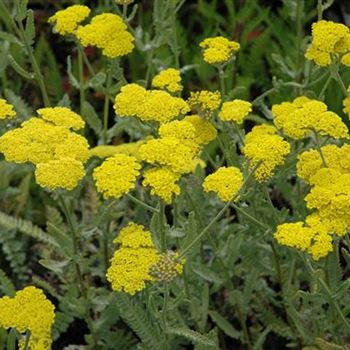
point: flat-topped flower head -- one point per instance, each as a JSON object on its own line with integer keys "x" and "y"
{"x": 67, "y": 21}
{"x": 225, "y": 182}
{"x": 163, "y": 184}
{"x": 109, "y": 33}
{"x": 298, "y": 119}
{"x": 39, "y": 141}
{"x": 265, "y": 150}
{"x": 64, "y": 173}
{"x": 168, "y": 79}
{"x": 6, "y": 110}
{"x": 218, "y": 50}
{"x": 205, "y": 131}
{"x": 29, "y": 310}
{"x": 116, "y": 176}
{"x": 235, "y": 110}
{"x": 62, "y": 116}
{"x": 329, "y": 39}
{"x": 148, "y": 105}
{"x": 130, "y": 265}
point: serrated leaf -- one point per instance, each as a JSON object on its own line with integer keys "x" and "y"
{"x": 21, "y": 71}
{"x": 10, "y": 38}
{"x": 97, "y": 80}
{"x": 193, "y": 336}
{"x": 64, "y": 101}
{"x": 206, "y": 273}
{"x": 54, "y": 265}
{"x": 30, "y": 28}
{"x": 22, "y": 6}
{"x": 224, "y": 325}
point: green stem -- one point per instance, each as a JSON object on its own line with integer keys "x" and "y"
{"x": 222, "y": 81}
{"x": 219, "y": 214}
{"x": 324, "y": 87}
{"x": 162, "y": 222}
{"x": 338, "y": 78}
{"x": 106, "y": 105}
{"x": 319, "y": 149}
{"x": 332, "y": 302}
{"x": 81, "y": 78}
{"x": 248, "y": 216}
{"x": 299, "y": 39}
{"x": 26, "y": 344}
{"x": 83, "y": 290}
{"x": 145, "y": 205}
{"x": 269, "y": 201}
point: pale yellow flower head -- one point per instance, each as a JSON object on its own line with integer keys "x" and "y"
{"x": 218, "y": 50}
{"x": 168, "y": 79}
{"x": 66, "y": 21}
{"x": 205, "y": 102}
{"x": 109, "y": 33}
{"x": 235, "y": 110}
{"x": 62, "y": 116}
{"x": 225, "y": 182}
{"x": 29, "y": 310}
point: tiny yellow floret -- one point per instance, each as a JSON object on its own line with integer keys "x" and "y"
{"x": 6, "y": 110}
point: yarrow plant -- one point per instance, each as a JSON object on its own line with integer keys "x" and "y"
{"x": 169, "y": 186}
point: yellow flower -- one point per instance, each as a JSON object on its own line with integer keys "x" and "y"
{"x": 64, "y": 173}
{"x": 346, "y": 104}
{"x": 169, "y": 151}
{"x": 235, "y": 110}
{"x": 29, "y": 310}
{"x": 38, "y": 141}
{"x": 109, "y": 33}
{"x": 298, "y": 118}
{"x": 205, "y": 131}
{"x": 218, "y": 49}
{"x": 148, "y": 105}
{"x": 204, "y": 101}
{"x": 226, "y": 182}
{"x": 328, "y": 39}
{"x": 162, "y": 182}
{"x": 116, "y": 176}
{"x": 265, "y": 148}
{"x": 168, "y": 79}
{"x": 130, "y": 266}
{"x": 66, "y": 21}
{"x": 62, "y": 116}
{"x": 6, "y": 110}
{"x": 337, "y": 158}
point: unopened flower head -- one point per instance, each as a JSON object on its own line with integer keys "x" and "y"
{"x": 168, "y": 79}
{"x": 109, "y": 33}
{"x": 29, "y": 310}
{"x": 168, "y": 267}
{"x": 116, "y": 176}
{"x": 218, "y": 50}
{"x": 6, "y": 110}
{"x": 67, "y": 21}
{"x": 235, "y": 110}
{"x": 225, "y": 182}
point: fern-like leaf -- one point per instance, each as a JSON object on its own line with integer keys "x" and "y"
{"x": 6, "y": 285}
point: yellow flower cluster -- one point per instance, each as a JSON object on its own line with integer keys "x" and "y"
{"x": 309, "y": 237}
{"x": 105, "y": 151}
{"x": 6, "y": 110}
{"x": 62, "y": 173}
{"x": 29, "y": 310}
{"x": 235, "y": 110}
{"x": 168, "y": 79}
{"x": 130, "y": 266}
{"x": 266, "y": 150}
{"x": 109, "y": 33}
{"x": 66, "y": 21}
{"x": 310, "y": 162}
{"x": 218, "y": 50}
{"x": 298, "y": 118}
{"x": 51, "y": 146}
{"x": 117, "y": 175}
{"x": 162, "y": 181}
{"x": 62, "y": 116}
{"x": 329, "y": 39}
{"x": 226, "y": 182}
{"x": 205, "y": 131}
{"x": 330, "y": 196}
{"x": 148, "y": 105}
{"x": 205, "y": 102}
